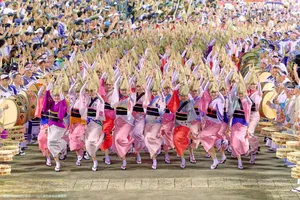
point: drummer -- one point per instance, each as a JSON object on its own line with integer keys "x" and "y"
{"x": 275, "y": 59}
{"x": 280, "y": 101}
{"x": 281, "y": 76}
{"x": 33, "y": 125}
{"x": 264, "y": 65}
{"x": 42, "y": 70}
{"x": 297, "y": 114}
{"x": 271, "y": 78}
{"x": 17, "y": 82}
{"x": 28, "y": 77}
{"x": 5, "y": 89}
{"x": 297, "y": 101}
{"x": 290, "y": 113}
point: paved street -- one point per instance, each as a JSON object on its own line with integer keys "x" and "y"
{"x": 32, "y": 179}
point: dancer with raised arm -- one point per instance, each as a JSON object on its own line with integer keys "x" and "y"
{"x": 123, "y": 100}
{"x": 55, "y": 103}
{"x": 93, "y": 106}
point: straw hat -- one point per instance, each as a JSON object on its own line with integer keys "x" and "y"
{"x": 92, "y": 86}
{"x": 222, "y": 85}
{"x": 140, "y": 78}
{"x": 57, "y": 88}
{"x": 213, "y": 87}
{"x": 110, "y": 79}
{"x": 241, "y": 87}
{"x": 195, "y": 84}
{"x": 65, "y": 82}
{"x": 184, "y": 90}
{"x": 124, "y": 84}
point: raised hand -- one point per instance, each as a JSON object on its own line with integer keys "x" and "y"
{"x": 176, "y": 87}
{"x": 104, "y": 75}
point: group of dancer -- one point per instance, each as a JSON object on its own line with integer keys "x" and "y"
{"x": 147, "y": 112}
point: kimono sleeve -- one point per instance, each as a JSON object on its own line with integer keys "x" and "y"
{"x": 48, "y": 101}
{"x": 63, "y": 107}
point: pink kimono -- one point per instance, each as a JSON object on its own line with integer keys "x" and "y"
{"x": 42, "y": 136}
{"x": 224, "y": 137}
{"x": 110, "y": 116}
{"x": 108, "y": 124}
{"x": 253, "y": 121}
{"x": 139, "y": 123}
{"x": 124, "y": 123}
{"x": 213, "y": 129}
{"x": 155, "y": 107}
{"x": 240, "y": 112}
{"x": 185, "y": 115}
{"x": 195, "y": 125}
{"x": 92, "y": 110}
{"x": 167, "y": 126}
{"x": 77, "y": 125}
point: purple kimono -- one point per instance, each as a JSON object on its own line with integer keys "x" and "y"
{"x": 57, "y": 111}
{"x": 56, "y": 129}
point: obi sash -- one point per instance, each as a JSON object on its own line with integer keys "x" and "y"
{"x": 212, "y": 113}
{"x": 45, "y": 115}
{"x": 75, "y": 113}
{"x": 253, "y": 106}
{"x": 182, "y": 116}
{"x": 121, "y": 111}
{"x": 53, "y": 116}
{"x": 107, "y": 106}
{"x": 139, "y": 107}
{"x": 91, "y": 112}
{"x": 239, "y": 113}
{"x": 197, "y": 110}
{"x": 152, "y": 111}
{"x": 76, "y": 117}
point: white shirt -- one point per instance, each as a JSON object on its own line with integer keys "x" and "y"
{"x": 270, "y": 24}
{"x": 8, "y": 10}
{"x": 281, "y": 97}
{"x": 19, "y": 88}
{"x": 6, "y": 93}
{"x": 30, "y": 29}
{"x": 22, "y": 11}
{"x": 3, "y": 51}
{"x": 291, "y": 110}
{"x": 55, "y": 33}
